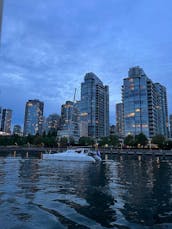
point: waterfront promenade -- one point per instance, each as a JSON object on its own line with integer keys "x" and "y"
{"x": 153, "y": 152}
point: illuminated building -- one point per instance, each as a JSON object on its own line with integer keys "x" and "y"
{"x": 170, "y": 126}
{"x": 145, "y": 105}
{"x": 6, "y": 121}
{"x": 119, "y": 119}
{"x": 69, "y": 121}
{"x": 52, "y": 123}
{"x": 17, "y": 130}
{"x": 94, "y": 106}
{"x": 0, "y": 117}
{"x": 161, "y": 109}
{"x": 33, "y": 121}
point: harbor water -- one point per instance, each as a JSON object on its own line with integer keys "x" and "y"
{"x": 119, "y": 192}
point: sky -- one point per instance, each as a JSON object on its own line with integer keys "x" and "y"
{"x": 47, "y": 47}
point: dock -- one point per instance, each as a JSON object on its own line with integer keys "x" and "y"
{"x": 103, "y": 151}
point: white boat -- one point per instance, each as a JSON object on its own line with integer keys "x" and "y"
{"x": 79, "y": 154}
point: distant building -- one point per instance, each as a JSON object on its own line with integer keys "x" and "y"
{"x": 69, "y": 121}
{"x": 145, "y": 105}
{"x": 17, "y": 130}
{"x": 94, "y": 106}
{"x": 52, "y": 123}
{"x": 6, "y": 121}
{"x": 113, "y": 130}
{"x": 0, "y": 117}
{"x": 162, "y": 109}
{"x": 83, "y": 127}
{"x": 33, "y": 121}
{"x": 170, "y": 126}
{"x": 119, "y": 119}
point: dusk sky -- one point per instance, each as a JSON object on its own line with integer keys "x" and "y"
{"x": 47, "y": 46}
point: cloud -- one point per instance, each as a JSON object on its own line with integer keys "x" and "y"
{"x": 48, "y": 46}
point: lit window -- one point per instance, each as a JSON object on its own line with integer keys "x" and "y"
{"x": 130, "y": 115}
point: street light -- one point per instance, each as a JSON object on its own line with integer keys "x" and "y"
{"x": 121, "y": 143}
{"x": 149, "y": 143}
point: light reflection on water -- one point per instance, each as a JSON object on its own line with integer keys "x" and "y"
{"x": 121, "y": 192}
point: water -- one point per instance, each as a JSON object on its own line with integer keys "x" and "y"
{"x": 120, "y": 192}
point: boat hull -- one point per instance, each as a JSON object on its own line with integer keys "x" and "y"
{"x": 69, "y": 156}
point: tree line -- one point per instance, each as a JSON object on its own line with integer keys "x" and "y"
{"x": 51, "y": 140}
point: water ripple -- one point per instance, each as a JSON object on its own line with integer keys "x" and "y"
{"x": 120, "y": 192}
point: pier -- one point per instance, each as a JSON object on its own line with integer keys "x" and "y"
{"x": 112, "y": 151}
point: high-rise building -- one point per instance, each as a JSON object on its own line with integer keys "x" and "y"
{"x": 6, "y": 121}
{"x": 162, "y": 109}
{"x": 94, "y": 106}
{"x": 145, "y": 105}
{"x": 52, "y": 123}
{"x": 69, "y": 121}
{"x": 17, "y": 130}
{"x": 33, "y": 121}
{"x": 119, "y": 119}
{"x": 113, "y": 130}
{"x": 170, "y": 130}
{"x": 0, "y": 117}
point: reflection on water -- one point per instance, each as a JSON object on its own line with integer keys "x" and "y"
{"x": 121, "y": 192}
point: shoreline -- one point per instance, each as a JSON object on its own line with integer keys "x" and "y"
{"x": 154, "y": 152}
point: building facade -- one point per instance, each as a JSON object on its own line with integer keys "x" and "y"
{"x": 52, "y": 124}
{"x": 94, "y": 106}
{"x": 69, "y": 126}
{"x": 17, "y": 130}
{"x": 119, "y": 119}
{"x": 6, "y": 121}
{"x": 170, "y": 129}
{"x": 162, "y": 109}
{"x": 33, "y": 120}
{"x": 0, "y": 117}
{"x": 145, "y": 105}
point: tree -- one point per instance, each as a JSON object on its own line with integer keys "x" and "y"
{"x": 30, "y": 138}
{"x": 113, "y": 140}
{"x": 103, "y": 141}
{"x": 159, "y": 140}
{"x": 168, "y": 144}
{"x": 71, "y": 141}
{"x": 37, "y": 140}
{"x": 85, "y": 141}
{"x": 141, "y": 139}
{"x": 129, "y": 140}
{"x": 44, "y": 134}
{"x": 63, "y": 141}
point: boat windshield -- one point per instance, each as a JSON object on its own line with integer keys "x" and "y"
{"x": 85, "y": 150}
{"x": 78, "y": 151}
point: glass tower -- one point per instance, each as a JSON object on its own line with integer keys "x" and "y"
{"x": 119, "y": 119}
{"x": 0, "y": 117}
{"x": 52, "y": 123}
{"x": 33, "y": 121}
{"x": 17, "y": 130}
{"x": 6, "y": 120}
{"x": 145, "y": 105}
{"x": 171, "y": 126}
{"x": 69, "y": 121}
{"x": 94, "y": 106}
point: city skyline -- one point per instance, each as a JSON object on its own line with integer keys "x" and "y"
{"x": 48, "y": 47}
